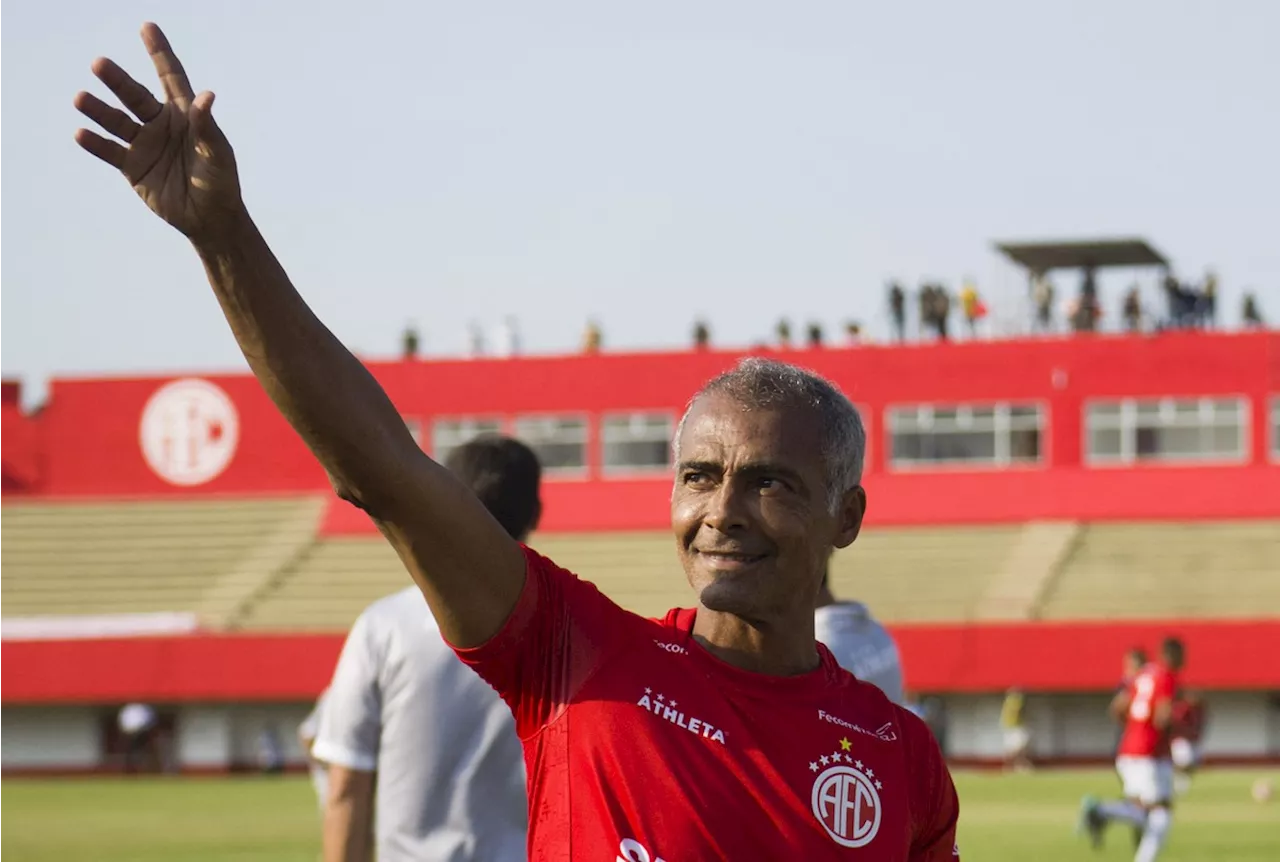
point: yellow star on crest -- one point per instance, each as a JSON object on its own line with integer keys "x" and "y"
{"x": 845, "y": 744}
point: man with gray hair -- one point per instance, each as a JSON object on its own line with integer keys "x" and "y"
{"x": 724, "y": 731}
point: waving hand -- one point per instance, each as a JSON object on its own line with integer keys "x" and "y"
{"x": 173, "y": 153}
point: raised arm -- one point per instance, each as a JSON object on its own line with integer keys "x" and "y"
{"x": 182, "y": 166}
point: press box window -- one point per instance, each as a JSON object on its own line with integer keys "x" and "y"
{"x": 449, "y": 434}
{"x": 559, "y": 441}
{"x": 1165, "y": 429}
{"x": 980, "y": 435}
{"x": 635, "y": 442}
{"x": 1275, "y": 427}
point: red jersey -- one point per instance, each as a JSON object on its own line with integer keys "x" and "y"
{"x": 1153, "y": 684}
{"x": 642, "y": 746}
{"x": 1188, "y": 720}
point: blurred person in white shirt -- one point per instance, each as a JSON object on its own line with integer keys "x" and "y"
{"x": 409, "y": 729}
{"x": 136, "y": 722}
{"x": 307, "y": 739}
{"x": 860, "y": 644}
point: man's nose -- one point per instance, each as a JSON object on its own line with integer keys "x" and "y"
{"x": 727, "y": 508}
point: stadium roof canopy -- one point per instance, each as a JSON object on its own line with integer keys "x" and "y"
{"x": 1041, "y": 257}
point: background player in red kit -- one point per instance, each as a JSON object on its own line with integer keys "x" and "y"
{"x": 723, "y": 732}
{"x": 1143, "y": 759}
{"x": 1189, "y": 716}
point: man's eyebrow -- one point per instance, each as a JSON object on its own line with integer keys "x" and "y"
{"x": 771, "y": 468}
{"x": 700, "y": 467}
{"x": 750, "y": 469}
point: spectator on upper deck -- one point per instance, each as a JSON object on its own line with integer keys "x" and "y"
{"x": 972, "y": 307}
{"x": 701, "y": 336}
{"x": 898, "y": 310}
{"x": 1131, "y": 311}
{"x": 1250, "y": 314}
{"x": 592, "y": 338}
{"x": 1207, "y": 301}
{"x": 783, "y": 331}
{"x": 1042, "y": 292}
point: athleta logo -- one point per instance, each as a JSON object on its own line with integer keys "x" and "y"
{"x": 846, "y": 797}
{"x": 663, "y": 708}
{"x": 884, "y": 733}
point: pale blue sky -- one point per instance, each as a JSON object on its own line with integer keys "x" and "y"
{"x": 642, "y": 163}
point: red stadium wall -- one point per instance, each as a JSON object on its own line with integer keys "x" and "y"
{"x": 1039, "y": 657}
{"x": 85, "y": 442}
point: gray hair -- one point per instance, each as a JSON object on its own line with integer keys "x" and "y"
{"x": 764, "y": 383}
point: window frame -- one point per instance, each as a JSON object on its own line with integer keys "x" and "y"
{"x": 1003, "y": 425}
{"x": 1273, "y": 426}
{"x": 1127, "y": 423}
{"x": 627, "y": 471}
{"x": 487, "y": 418}
{"x": 588, "y": 442}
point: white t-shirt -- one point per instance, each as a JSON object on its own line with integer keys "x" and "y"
{"x": 136, "y": 718}
{"x": 451, "y": 780}
{"x": 862, "y": 646}
{"x": 307, "y": 732}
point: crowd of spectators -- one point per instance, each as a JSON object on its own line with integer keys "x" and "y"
{"x": 1187, "y": 306}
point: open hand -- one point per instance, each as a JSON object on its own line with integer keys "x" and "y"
{"x": 176, "y": 158}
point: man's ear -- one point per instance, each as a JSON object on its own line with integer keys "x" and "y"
{"x": 853, "y": 508}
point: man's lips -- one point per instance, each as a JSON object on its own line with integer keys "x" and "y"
{"x": 730, "y": 559}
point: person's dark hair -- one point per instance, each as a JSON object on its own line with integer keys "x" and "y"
{"x": 1138, "y": 654}
{"x": 505, "y": 474}
{"x": 1173, "y": 651}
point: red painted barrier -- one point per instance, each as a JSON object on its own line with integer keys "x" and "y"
{"x": 1069, "y": 657}
{"x": 89, "y": 439}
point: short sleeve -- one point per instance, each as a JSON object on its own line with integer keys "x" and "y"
{"x": 891, "y": 680}
{"x": 555, "y": 638}
{"x": 936, "y": 813}
{"x": 311, "y": 724}
{"x": 350, "y": 721}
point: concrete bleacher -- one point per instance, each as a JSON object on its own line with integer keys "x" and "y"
{"x": 905, "y": 574}
{"x": 327, "y": 586}
{"x": 1169, "y": 570}
{"x": 258, "y": 564}
{"x": 931, "y": 574}
{"x": 138, "y": 557}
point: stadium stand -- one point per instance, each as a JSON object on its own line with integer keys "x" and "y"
{"x": 136, "y": 557}
{"x": 1170, "y": 571}
{"x": 923, "y": 574}
{"x": 916, "y": 574}
{"x": 326, "y": 588}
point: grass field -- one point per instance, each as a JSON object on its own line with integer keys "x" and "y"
{"x": 1024, "y": 817}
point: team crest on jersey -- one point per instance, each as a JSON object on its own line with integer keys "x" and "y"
{"x": 846, "y": 797}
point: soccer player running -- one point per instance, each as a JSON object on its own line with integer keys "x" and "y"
{"x": 859, "y": 643}
{"x": 1143, "y": 759}
{"x": 408, "y": 725}
{"x": 1189, "y": 717}
{"x": 720, "y": 732}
